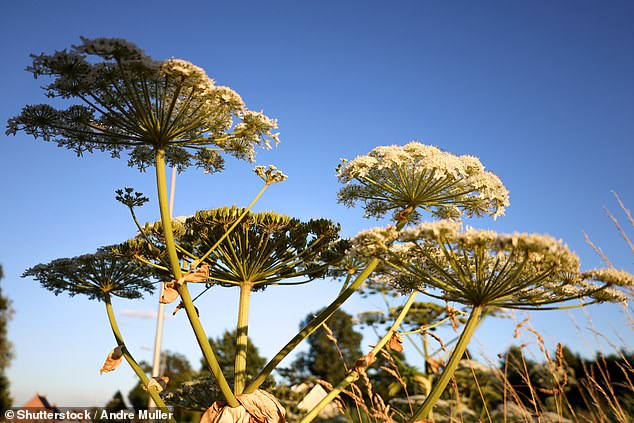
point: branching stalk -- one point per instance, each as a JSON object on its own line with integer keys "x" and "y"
{"x": 322, "y": 316}
{"x": 192, "y": 315}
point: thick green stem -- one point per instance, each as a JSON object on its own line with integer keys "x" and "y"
{"x": 192, "y": 315}
{"x": 242, "y": 336}
{"x": 311, "y": 327}
{"x": 132, "y": 362}
{"x": 354, "y": 374}
{"x": 321, "y": 317}
{"x": 166, "y": 218}
{"x": 450, "y": 368}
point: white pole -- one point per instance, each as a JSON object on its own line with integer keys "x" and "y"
{"x": 156, "y": 362}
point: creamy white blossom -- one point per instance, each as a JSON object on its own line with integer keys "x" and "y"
{"x": 270, "y": 175}
{"x": 484, "y": 268}
{"x": 372, "y": 242}
{"x": 418, "y": 176}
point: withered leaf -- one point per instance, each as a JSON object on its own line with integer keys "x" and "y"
{"x": 365, "y": 362}
{"x": 434, "y": 365}
{"x": 396, "y": 342}
{"x": 157, "y": 382}
{"x": 258, "y": 407}
{"x": 114, "y": 359}
{"x": 169, "y": 294}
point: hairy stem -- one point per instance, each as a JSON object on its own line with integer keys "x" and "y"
{"x": 132, "y": 362}
{"x": 192, "y": 315}
{"x": 354, "y": 374}
{"x": 450, "y": 368}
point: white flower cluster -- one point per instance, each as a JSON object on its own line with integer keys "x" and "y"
{"x": 441, "y": 228}
{"x": 372, "y": 242}
{"x": 421, "y": 176}
{"x": 270, "y": 175}
{"x": 190, "y": 74}
{"x": 482, "y": 267}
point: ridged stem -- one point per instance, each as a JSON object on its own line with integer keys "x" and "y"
{"x": 242, "y": 336}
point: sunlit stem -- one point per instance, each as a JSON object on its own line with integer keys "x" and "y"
{"x": 426, "y": 328}
{"x": 242, "y": 336}
{"x": 132, "y": 362}
{"x": 320, "y": 318}
{"x": 450, "y": 368}
{"x": 354, "y": 374}
{"x": 236, "y": 223}
{"x": 311, "y": 327}
{"x": 192, "y": 315}
{"x": 346, "y": 282}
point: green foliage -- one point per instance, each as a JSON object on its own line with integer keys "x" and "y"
{"x": 5, "y": 349}
{"x": 324, "y": 360}
{"x": 198, "y": 392}
{"x": 174, "y": 366}
{"x": 225, "y": 348}
{"x": 264, "y": 248}
{"x": 584, "y": 385}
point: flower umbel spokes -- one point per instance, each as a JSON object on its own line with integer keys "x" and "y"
{"x": 413, "y": 176}
{"x": 126, "y": 101}
{"x": 484, "y": 268}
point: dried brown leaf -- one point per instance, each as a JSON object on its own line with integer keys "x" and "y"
{"x": 169, "y": 293}
{"x": 159, "y": 383}
{"x": 434, "y": 365}
{"x": 364, "y": 362}
{"x": 258, "y": 407}
{"x": 396, "y": 342}
{"x": 114, "y": 359}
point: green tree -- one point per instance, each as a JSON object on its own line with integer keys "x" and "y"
{"x": 5, "y": 349}
{"x": 324, "y": 359}
{"x": 225, "y": 347}
{"x": 174, "y": 366}
{"x": 116, "y": 403}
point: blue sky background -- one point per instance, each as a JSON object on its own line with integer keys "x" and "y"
{"x": 541, "y": 91}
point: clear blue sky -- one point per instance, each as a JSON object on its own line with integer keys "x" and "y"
{"x": 541, "y": 91}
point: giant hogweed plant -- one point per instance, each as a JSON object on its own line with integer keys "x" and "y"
{"x": 484, "y": 270}
{"x": 158, "y": 112}
{"x": 171, "y": 112}
{"x": 101, "y": 276}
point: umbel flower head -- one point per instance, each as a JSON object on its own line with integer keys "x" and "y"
{"x": 96, "y": 275}
{"x": 126, "y": 101}
{"x": 484, "y": 268}
{"x": 264, "y": 248}
{"x": 421, "y": 177}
